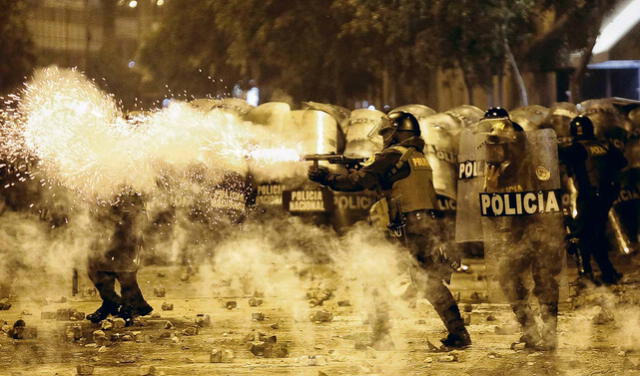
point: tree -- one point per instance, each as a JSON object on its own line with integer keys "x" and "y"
{"x": 16, "y": 46}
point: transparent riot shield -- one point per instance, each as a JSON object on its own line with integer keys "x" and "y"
{"x": 352, "y": 207}
{"x": 515, "y": 208}
{"x": 471, "y": 166}
{"x": 466, "y": 115}
{"x": 624, "y": 217}
{"x": 420, "y": 111}
{"x": 531, "y": 117}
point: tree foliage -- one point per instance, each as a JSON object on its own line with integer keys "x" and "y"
{"x": 341, "y": 50}
{"x": 16, "y": 47}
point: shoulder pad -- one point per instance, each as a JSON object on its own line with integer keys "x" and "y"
{"x": 395, "y": 149}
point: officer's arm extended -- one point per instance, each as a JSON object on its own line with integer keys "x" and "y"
{"x": 368, "y": 177}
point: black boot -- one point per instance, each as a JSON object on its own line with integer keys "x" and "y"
{"x": 458, "y": 337}
{"x": 530, "y": 335}
{"x": 103, "y": 312}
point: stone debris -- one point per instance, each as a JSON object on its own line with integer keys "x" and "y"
{"x": 344, "y": 303}
{"x": 231, "y": 304}
{"x": 603, "y": 317}
{"x": 255, "y": 302}
{"x": 477, "y": 297}
{"x": 74, "y": 332}
{"x": 21, "y": 331}
{"x": 100, "y": 337}
{"x": 317, "y": 296}
{"x": 203, "y": 320}
{"x": 518, "y": 346}
{"x": 257, "y": 316}
{"x": 84, "y": 370}
{"x": 312, "y": 360}
{"x": 221, "y": 356}
{"x": 63, "y": 314}
{"x": 493, "y": 355}
{"x": 190, "y": 331}
{"x": 167, "y": 306}
{"x": 4, "y": 304}
{"x": 275, "y": 325}
{"x": 451, "y": 357}
{"x": 467, "y": 307}
{"x": 106, "y": 324}
{"x": 269, "y": 349}
{"x": 491, "y": 318}
{"x": 149, "y": 371}
{"x": 159, "y": 292}
{"x": 118, "y": 323}
{"x": 168, "y": 325}
{"x": 321, "y": 316}
{"x": 258, "y": 294}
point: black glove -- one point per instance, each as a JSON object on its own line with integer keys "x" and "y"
{"x": 318, "y": 174}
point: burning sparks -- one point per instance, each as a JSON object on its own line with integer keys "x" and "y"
{"x": 81, "y": 139}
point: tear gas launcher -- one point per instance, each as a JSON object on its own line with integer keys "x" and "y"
{"x": 349, "y": 162}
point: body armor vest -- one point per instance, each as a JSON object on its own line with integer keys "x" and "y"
{"x": 596, "y": 170}
{"x": 414, "y": 192}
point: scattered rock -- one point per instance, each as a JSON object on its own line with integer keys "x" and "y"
{"x": 258, "y": 294}
{"x": 421, "y": 322}
{"x": 149, "y": 371}
{"x": 491, "y": 318}
{"x": 231, "y": 304}
{"x": 84, "y": 370}
{"x": 466, "y": 317}
{"x": 168, "y": 325}
{"x": 4, "y": 304}
{"x": 476, "y": 297}
{"x": 257, "y": 316}
{"x": 161, "y": 275}
{"x": 344, "y": 303}
{"x": 493, "y": 355}
{"x": 63, "y": 314}
{"x": 317, "y": 296}
{"x": 451, "y": 357}
{"x": 74, "y": 332}
{"x": 100, "y": 337}
{"x": 275, "y": 325}
{"x": 159, "y": 292}
{"x": 118, "y": 323}
{"x": 312, "y": 360}
{"x": 106, "y": 324}
{"x": 255, "y": 302}
{"x": 269, "y": 349}
{"x": 321, "y": 316}
{"x": 167, "y": 306}
{"x": 603, "y": 317}
{"x": 190, "y": 331}
{"x": 467, "y": 307}
{"x": 221, "y": 356}
{"x": 203, "y": 320}
{"x": 127, "y": 338}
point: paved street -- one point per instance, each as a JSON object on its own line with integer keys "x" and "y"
{"x": 591, "y": 343}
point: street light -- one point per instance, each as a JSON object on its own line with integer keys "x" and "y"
{"x": 133, "y": 4}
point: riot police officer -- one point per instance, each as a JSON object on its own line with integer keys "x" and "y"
{"x": 595, "y": 167}
{"x": 403, "y": 178}
{"x": 525, "y": 241}
{"x": 116, "y": 257}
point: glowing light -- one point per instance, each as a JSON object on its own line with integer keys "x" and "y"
{"x": 253, "y": 96}
{"x": 131, "y": 64}
{"x": 133, "y": 4}
{"x": 270, "y": 155}
{"x": 160, "y": 3}
{"x": 617, "y": 27}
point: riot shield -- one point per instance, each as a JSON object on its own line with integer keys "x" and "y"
{"x": 361, "y": 123}
{"x": 624, "y": 217}
{"x": 470, "y": 174}
{"x": 202, "y": 104}
{"x": 275, "y": 115}
{"x": 441, "y": 152}
{"x": 531, "y": 117}
{"x": 559, "y": 118}
{"x": 466, "y": 115}
{"x": 319, "y": 131}
{"x": 608, "y": 121}
{"x": 420, "y": 111}
{"x": 236, "y": 106}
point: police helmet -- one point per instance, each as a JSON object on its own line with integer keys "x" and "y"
{"x": 496, "y": 113}
{"x": 581, "y": 128}
{"x": 401, "y": 121}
